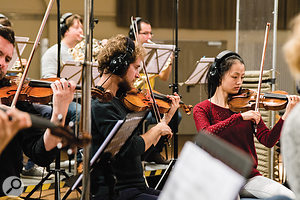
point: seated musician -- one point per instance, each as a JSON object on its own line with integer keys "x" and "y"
{"x": 225, "y": 77}
{"x": 144, "y": 35}
{"x": 37, "y": 144}
{"x": 119, "y": 78}
{"x": 290, "y": 140}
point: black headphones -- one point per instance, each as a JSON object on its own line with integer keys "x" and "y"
{"x": 215, "y": 67}
{"x": 131, "y": 32}
{"x": 63, "y": 25}
{"x": 120, "y": 63}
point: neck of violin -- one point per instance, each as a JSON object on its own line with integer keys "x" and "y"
{"x": 163, "y": 97}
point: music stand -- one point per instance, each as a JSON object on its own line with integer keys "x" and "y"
{"x": 198, "y": 76}
{"x": 18, "y": 51}
{"x": 216, "y": 169}
{"x": 157, "y": 56}
{"x": 113, "y": 143}
{"x": 72, "y": 70}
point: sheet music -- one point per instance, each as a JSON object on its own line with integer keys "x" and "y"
{"x": 71, "y": 70}
{"x": 21, "y": 42}
{"x": 199, "y": 74}
{"x": 198, "y": 175}
{"x": 157, "y": 56}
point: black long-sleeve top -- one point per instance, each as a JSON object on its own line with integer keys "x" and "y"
{"x": 127, "y": 165}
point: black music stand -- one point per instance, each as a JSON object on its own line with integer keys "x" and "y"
{"x": 117, "y": 137}
{"x": 216, "y": 169}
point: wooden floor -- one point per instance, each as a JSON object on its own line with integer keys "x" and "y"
{"x": 50, "y": 194}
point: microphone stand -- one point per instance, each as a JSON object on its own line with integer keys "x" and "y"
{"x": 86, "y": 94}
{"x": 175, "y": 84}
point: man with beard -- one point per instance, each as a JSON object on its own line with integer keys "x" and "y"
{"x": 119, "y": 61}
{"x": 37, "y": 144}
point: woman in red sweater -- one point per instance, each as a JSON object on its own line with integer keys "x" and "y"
{"x": 225, "y": 78}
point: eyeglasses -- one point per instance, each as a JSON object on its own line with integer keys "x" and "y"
{"x": 147, "y": 33}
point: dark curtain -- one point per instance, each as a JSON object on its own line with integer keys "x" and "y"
{"x": 193, "y": 14}
{"x": 200, "y": 14}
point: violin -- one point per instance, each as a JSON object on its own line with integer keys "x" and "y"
{"x": 27, "y": 93}
{"x": 44, "y": 84}
{"x": 65, "y": 133}
{"x": 246, "y": 100}
{"x": 139, "y": 100}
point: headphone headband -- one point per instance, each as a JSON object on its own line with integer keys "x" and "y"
{"x": 215, "y": 67}
{"x": 120, "y": 63}
{"x": 63, "y": 25}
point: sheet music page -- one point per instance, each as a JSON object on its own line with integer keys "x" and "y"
{"x": 198, "y": 175}
{"x": 21, "y": 47}
{"x": 199, "y": 74}
{"x": 157, "y": 56}
{"x": 72, "y": 71}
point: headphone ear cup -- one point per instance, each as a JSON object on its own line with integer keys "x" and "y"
{"x": 214, "y": 70}
{"x": 118, "y": 65}
{"x": 63, "y": 25}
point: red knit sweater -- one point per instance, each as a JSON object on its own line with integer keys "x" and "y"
{"x": 231, "y": 127}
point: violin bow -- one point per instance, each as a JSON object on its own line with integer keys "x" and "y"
{"x": 154, "y": 105}
{"x": 262, "y": 66}
{"x": 36, "y": 42}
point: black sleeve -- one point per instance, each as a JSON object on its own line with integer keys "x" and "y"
{"x": 33, "y": 147}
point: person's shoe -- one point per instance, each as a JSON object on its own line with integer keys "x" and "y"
{"x": 157, "y": 158}
{"x": 35, "y": 171}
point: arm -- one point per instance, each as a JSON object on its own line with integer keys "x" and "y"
{"x": 152, "y": 136}
{"x": 270, "y": 137}
{"x": 63, "y": 93}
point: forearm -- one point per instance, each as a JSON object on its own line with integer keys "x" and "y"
{"x": 151, "y": 137}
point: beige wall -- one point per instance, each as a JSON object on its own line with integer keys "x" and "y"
{"x": 27, "y": 15}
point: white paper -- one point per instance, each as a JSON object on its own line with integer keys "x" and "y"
{"x": 199, "y": 176}
{"x": 71, "y": 70}
{"x": 199, "y": 74}
{"x": 21, "y": 42}
{"x": 156, "y": 56}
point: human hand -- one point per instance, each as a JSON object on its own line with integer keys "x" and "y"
{"x": 63, "y": 94}
{"x": 252, "y": 115}
{"x": 175, "y": 100}
{"x": 163, "y": 129}
{"x": 292, "y": 102}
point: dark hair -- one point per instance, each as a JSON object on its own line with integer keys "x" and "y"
{"x": 214, "y": 81}
{"x": 115, "y": 46}
{"x": 8, "y": 34}
{"x": 138, "y": 22}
